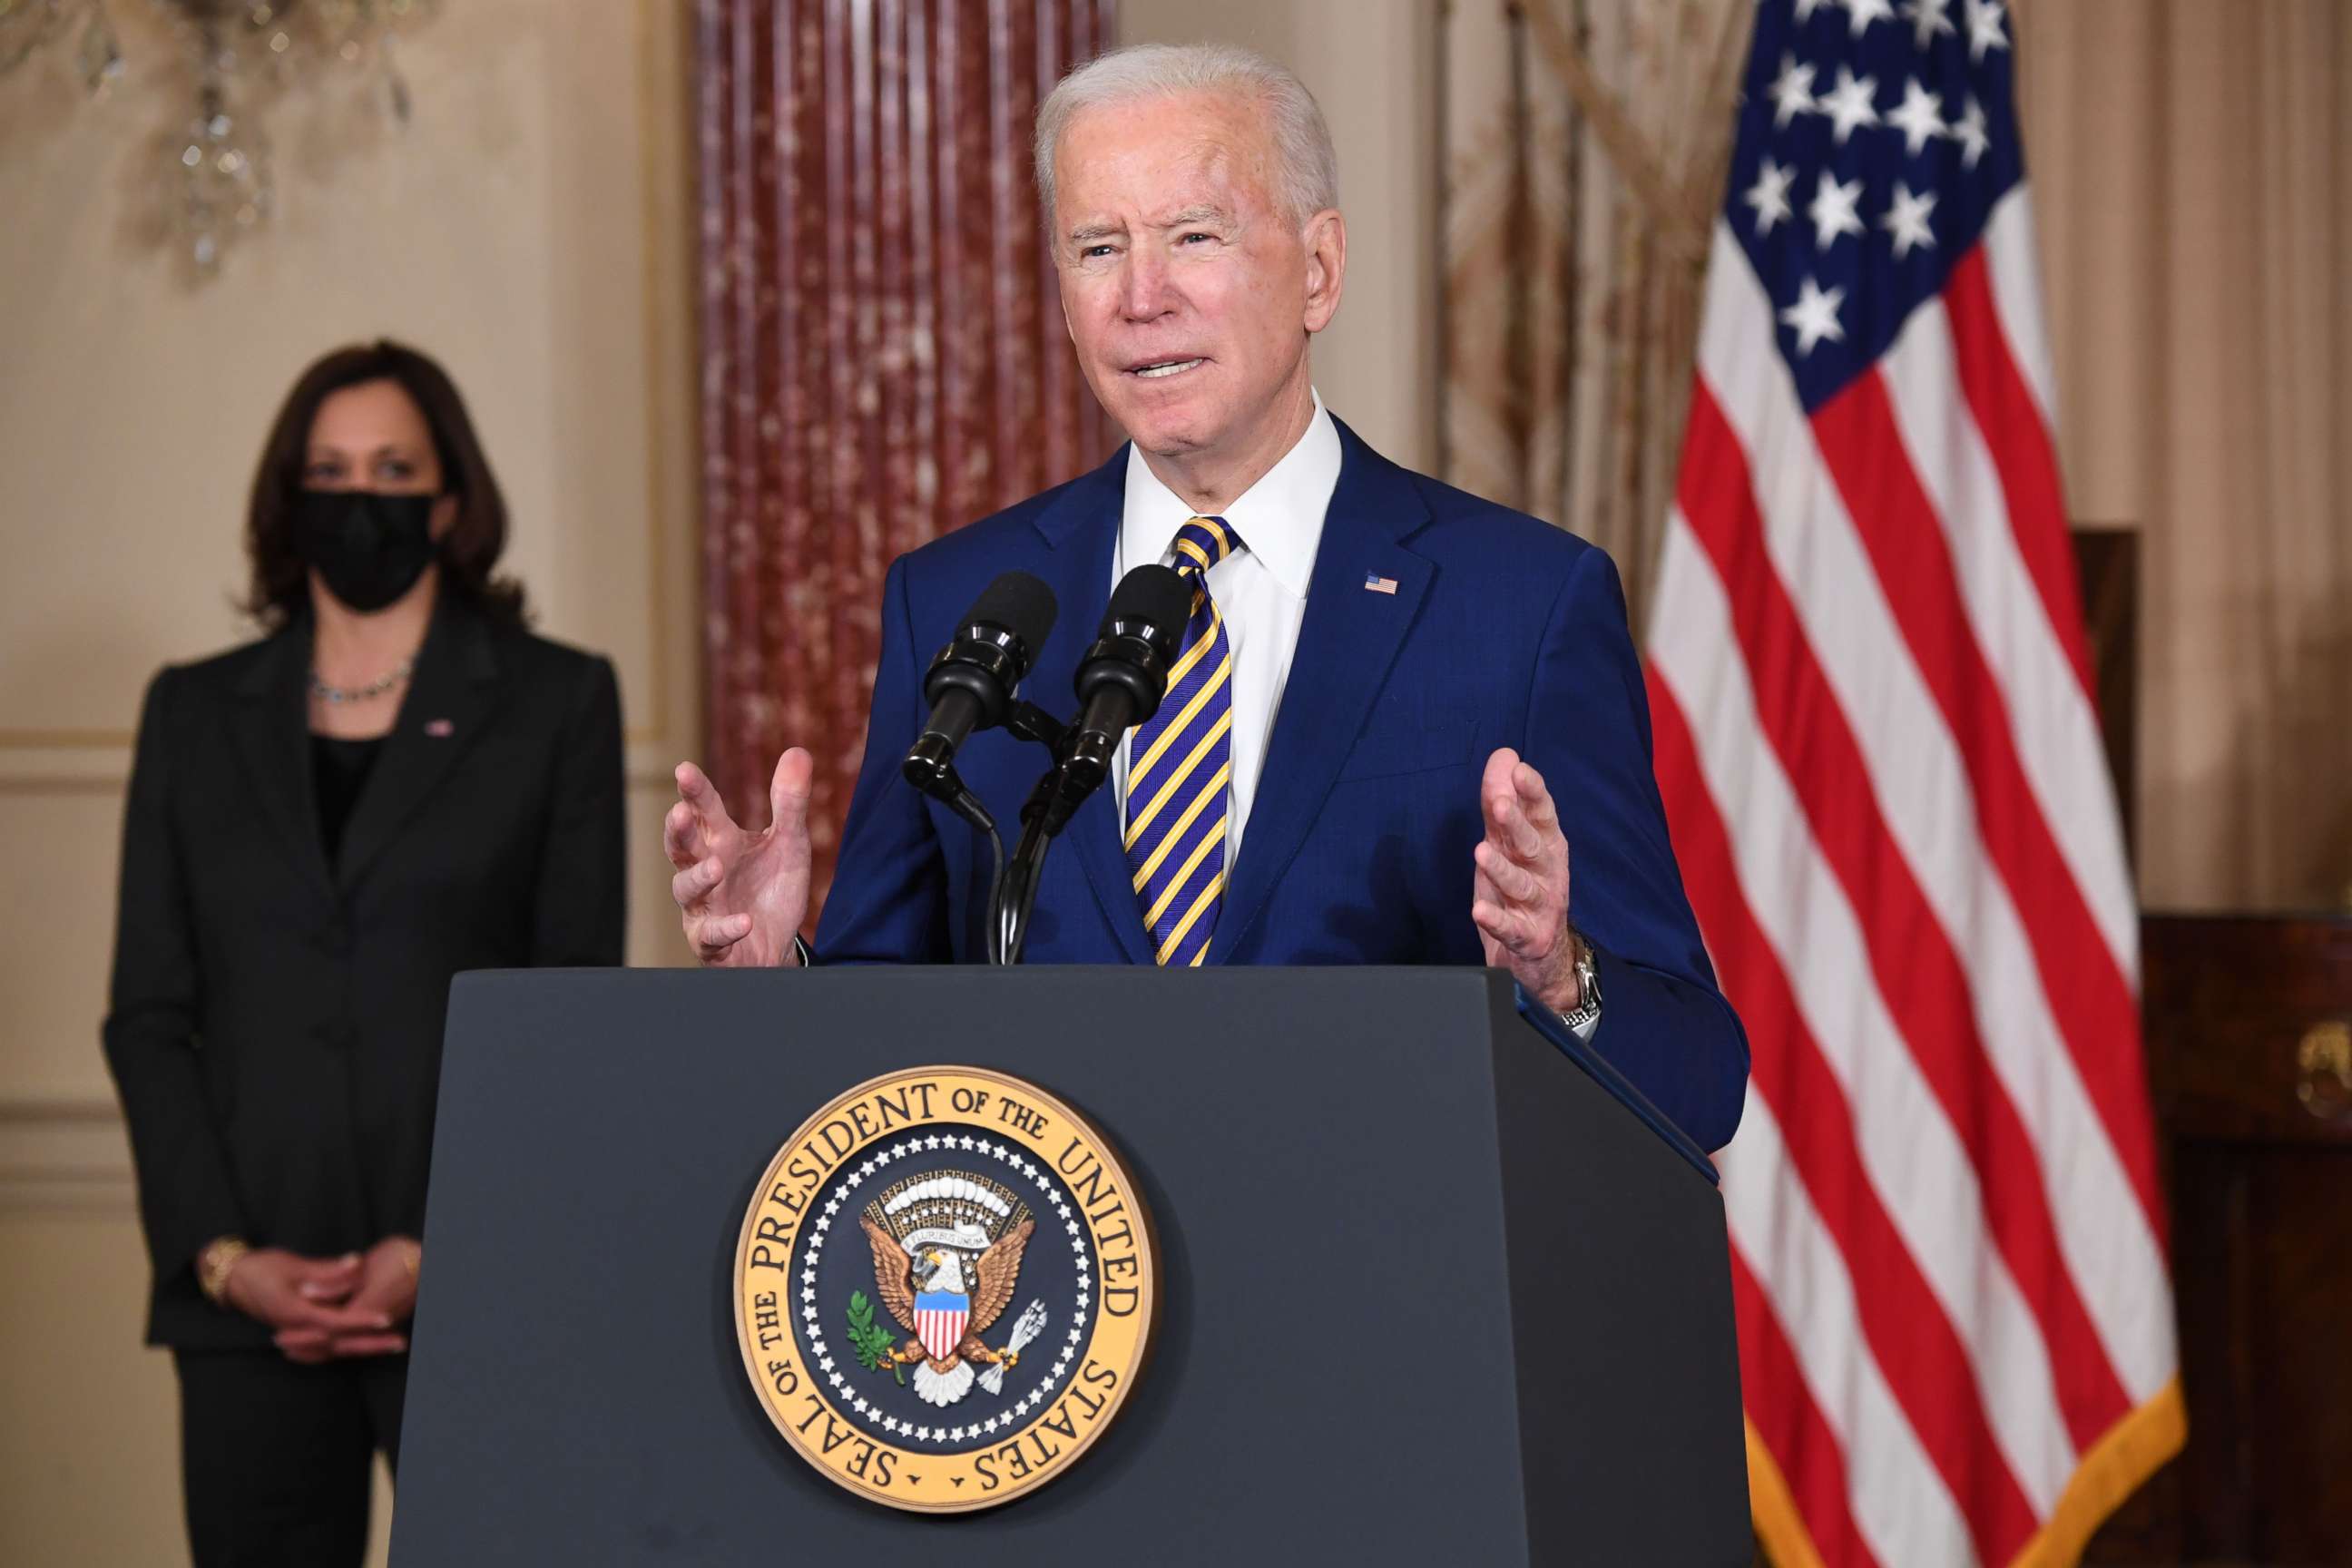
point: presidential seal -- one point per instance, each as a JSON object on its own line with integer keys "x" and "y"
{"x": 944, "y": 1289}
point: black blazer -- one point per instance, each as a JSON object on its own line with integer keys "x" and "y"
{"x": 275, "y": 1027}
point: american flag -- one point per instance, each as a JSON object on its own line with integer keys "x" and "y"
{"x": 1882, "y": 764}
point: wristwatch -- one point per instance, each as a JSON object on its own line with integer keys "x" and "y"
{"x": 1585, "y": 1017}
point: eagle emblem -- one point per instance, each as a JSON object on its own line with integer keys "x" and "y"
{"x": 947, "y": 1254}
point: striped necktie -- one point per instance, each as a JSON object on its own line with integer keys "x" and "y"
{"x": 1181, "y": 762}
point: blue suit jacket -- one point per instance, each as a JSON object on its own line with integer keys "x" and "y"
{"x": 1503, "y": 631}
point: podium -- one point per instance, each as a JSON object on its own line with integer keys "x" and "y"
{"x": 1435, "y": 1285}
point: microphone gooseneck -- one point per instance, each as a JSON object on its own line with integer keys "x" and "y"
{"x": 1120, "y": 682}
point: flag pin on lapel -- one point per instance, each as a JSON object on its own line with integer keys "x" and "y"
{"x": 440, "y": 729}
{"x": 1376, "y": 583}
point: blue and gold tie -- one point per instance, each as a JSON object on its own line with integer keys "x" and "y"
{"x": 1181, "y": 763}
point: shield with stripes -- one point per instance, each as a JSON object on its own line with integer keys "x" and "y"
{"x": 939, "y": 1317}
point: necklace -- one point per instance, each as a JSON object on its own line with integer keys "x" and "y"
{"x": 376, "y": 687}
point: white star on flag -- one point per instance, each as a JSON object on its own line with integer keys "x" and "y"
{"x": 1805, "y": 8}
{"x": 1984, "y": 28}
{"x": 1770, "y": 196}
{"x": 1865, "y": 12}
{"x": 1814, "y": 316}
{"x": 1927, "y": 20}
{"x": 1968, "y": 130}
{"x": 1831, "y": 210}
{"x": 1919, "y": 116}
{"x": 1848, "y": 104}
{"x": 1906, "y": 220}
{"x": 1791, "y": 92}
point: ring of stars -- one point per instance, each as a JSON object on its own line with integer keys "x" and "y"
{"x": 820, "y": 1354}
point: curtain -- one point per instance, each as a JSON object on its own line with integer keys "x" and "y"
{"x": 882, "y": 351}
{"x": 2192, "y": 181}
{"x": 1585, "y": 148}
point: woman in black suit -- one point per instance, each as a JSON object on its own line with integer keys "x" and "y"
{"x": 396, "y": 784}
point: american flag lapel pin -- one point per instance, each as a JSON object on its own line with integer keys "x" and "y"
{"x": 440, "y": 729}
{"x": 1376, "y": 583}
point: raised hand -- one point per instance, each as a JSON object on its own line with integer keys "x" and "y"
{"x": 741, "y": 896}
{"x": 1519, "y": 888}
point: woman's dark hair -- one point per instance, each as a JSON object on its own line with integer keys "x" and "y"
{"x": 281, "y": 581}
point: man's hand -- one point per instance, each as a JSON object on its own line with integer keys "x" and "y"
{"x": 741, "y": 895}
{"x": 1520, "y": 892}
{"x": 314, "y": 1299}
{"x": 384, "y": 1295}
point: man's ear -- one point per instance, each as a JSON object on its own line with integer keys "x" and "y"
{"x": 1326, "y": 239}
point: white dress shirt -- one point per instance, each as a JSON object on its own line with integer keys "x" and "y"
{"x": 1260, "y": 590}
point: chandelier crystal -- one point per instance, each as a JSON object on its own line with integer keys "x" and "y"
{"x": 213, "y": 159}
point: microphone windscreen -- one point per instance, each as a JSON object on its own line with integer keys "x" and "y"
{"x": 1156, "y": 596}
{"x": 1019, "y": 604}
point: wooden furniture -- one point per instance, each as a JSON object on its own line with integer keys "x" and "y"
{"x": 2248, "y": 1022}
{"x": 2249, "y": 1026}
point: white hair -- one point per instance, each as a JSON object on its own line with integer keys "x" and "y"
{"x": 1307, "y": 166}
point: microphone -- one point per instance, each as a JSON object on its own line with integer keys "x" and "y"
{"x": 1124, "y": 675}
{"x": 971, "y": 684}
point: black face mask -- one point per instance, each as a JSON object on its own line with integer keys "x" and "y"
{"x": 370, "y": 548}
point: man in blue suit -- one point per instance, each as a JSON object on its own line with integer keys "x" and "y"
{"x": 1398, "y": 706}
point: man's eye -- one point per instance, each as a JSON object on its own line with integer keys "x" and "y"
{"x": 1190, "y": 237}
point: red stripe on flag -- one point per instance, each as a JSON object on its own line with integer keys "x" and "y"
{"x": 1862, "y": 446}
{"x": 2023, "y": 454}
{"x": 1791, "y": 1424}
{"x": 1912, "y": 1338}
{"x": 1918, "y": 972}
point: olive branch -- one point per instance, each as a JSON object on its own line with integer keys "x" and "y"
{"x": 872, "y": 1344}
